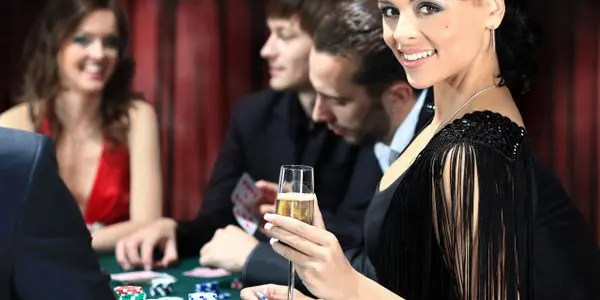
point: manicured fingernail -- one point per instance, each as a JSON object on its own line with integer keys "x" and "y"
{"x": 273, "y": 241}
{"x": 268, "y": 217}
{"x": 268, "y": 226}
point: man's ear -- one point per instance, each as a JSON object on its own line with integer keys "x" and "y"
{"x": 397, "y": 96}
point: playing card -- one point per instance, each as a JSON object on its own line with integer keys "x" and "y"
{"x": 247, "y": 221}
{"x": 139, "y": 277}
{"x": 244, "y": 197}
{"x": 206, "y": 272}
{"x": 245, "y": 193}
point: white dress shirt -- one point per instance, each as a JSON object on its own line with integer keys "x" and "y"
{"x": 387, "y": 154}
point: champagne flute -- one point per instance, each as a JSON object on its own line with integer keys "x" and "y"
{"x": 295, "y": 198}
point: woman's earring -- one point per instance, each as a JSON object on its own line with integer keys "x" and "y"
{"x": 493, "y": 38}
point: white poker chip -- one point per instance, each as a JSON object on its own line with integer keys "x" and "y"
{"x": 203, "y": 296}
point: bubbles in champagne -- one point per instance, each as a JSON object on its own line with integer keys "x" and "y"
{"x": 296, "y": 205}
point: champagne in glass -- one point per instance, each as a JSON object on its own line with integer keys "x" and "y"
{"x": 296, "y": 199}
{"x": 296, "y": 205}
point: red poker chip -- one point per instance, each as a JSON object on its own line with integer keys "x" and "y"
{"x": 236, "y": 284}
{"x": 129, "y": 289}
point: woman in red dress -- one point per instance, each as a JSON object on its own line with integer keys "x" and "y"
{"x": 77, "y": 90}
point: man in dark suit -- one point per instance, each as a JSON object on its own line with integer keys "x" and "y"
{"x": 363, "y": 96}
{"x": 44, "y": 244}
{"x": 268, "y": 129}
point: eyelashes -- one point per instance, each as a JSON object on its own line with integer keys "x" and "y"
{"x": 427, "y": 9}
{"x": 422, "y": 9}
{"x": 82, "y": 40}
{"x": 111, "y": 42}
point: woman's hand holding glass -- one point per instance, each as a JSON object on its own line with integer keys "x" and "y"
{"x": 315, "y": 253}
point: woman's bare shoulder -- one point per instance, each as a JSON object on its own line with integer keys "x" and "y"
{"x": 17, "y": 117}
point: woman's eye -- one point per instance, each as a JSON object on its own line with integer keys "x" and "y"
{"x": 428, "y": 9}
{"x": 388, "y": 12}
{"x": 82, "y": 40}
{"x": 112, "y": 42}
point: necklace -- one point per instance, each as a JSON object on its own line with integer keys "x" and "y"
{"x": 81, "y": 140}
{"x": 465, "y": 104}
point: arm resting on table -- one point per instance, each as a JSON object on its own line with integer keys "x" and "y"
{"x": 105, "y": 239}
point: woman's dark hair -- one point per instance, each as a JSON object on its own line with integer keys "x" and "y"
{"x": 57, "y": 23}
{"x": 515, "y": 41}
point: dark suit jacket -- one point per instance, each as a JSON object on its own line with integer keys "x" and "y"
{"x": 45, "y": 247}
{"x": 269, "y": 129}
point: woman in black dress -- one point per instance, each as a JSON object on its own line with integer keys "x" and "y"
{"x": 454, "y": 215}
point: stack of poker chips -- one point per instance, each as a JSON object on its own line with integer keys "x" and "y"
{"x": 210, "y": 287}
{"x": 161, "y": 287}
{"x": 130, "y": 292}
{"x": 203, "y": 296}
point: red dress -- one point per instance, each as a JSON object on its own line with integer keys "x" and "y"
{"x": 108, "y": 201}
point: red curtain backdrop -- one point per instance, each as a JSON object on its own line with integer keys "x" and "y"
{"x": 196, "y": 57}
{"x": 563, "y": 112}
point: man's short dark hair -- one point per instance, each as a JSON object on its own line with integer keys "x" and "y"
{"x": 355, "y": 31}
{"x": 309, "y": 12}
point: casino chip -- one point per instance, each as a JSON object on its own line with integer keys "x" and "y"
{"x": 203, "y": 296}
{"x": 129, "y": 289}
{"x": 210, "y": 287}
{"x": 236, "y": 284}
{"x": 161, "y": 287}
{"x": 141, "y": 296}
{"x": 130, "y": 292}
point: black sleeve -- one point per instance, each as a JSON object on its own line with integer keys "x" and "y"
{"x": 264, "y": 266}
{"x": 51, "y": 236}
{"x": 347, "y": 223}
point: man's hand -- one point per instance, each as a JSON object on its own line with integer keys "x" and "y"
{"x": 266, "y": 203}
{"x": 271, "y": 291}
{"x": 228, "y": 249}
{"x": 161, "y": 234}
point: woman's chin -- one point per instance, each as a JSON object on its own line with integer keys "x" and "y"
{"x": 420, "y": 84}
{"x": 419, "y": 81}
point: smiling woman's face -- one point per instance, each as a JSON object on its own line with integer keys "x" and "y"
{"x": 436, "y": 39}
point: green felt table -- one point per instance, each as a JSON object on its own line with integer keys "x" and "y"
{"x": 184, "y": 284}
